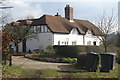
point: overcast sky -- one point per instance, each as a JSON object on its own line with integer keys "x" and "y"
{"x": 85, "y": 9}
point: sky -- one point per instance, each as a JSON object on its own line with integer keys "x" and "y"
{"x": 83, "y": 9}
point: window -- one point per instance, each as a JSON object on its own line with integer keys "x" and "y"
{"x": 94, "y": 43}
{"x": 67, "y": 42}
{"x": 46, "y": 28}
{"x": 58, "y": 42}
{"x": 37, "y": 29}
{"x": 34, "y": 28}
{"x": 43, "y": 28}
{"x": 89, "y": 43}
{"x": 40, "y": 29}
{"x": 73, "y": 42}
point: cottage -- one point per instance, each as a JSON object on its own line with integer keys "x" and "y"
{"x": 57, "y": 30}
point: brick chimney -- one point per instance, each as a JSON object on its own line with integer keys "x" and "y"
{"x": 69, "y": 12}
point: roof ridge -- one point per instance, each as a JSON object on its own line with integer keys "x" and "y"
{"x": 80, "y": 20}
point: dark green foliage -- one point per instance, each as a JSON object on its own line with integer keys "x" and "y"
{"x": 118, "y": 39}
{"x": 82, "y": 60}
{"x": 50, "y": 49}
{"x": 67, "y": 51}
{"x": 51, "y": 58}
{"x": 73, "y": 51}
{"x": 118, "y": 56}
{"x": 69, "y": 60}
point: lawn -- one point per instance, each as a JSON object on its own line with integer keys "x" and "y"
{"x": 18, "y": 72}
{"x": 79, "y": 73}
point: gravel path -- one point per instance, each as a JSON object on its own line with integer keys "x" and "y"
{"x": 32, "y": 64}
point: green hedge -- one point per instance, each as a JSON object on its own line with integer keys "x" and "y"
{"x": 81, "y": 61}
{"x": 118, "y": 56}
{"x": 73, "y": 51}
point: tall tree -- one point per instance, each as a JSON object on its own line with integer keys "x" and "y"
{"x": 19, "y": 32}
{"x": 118, "y": 39}
{"x": 106, "y": 23}
{"x": 6, "y": 39}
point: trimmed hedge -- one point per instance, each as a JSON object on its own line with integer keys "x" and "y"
{"x": 51, "y": 58}
{"x": 81, "y": 61}
{"x": 118, "y": 56}
{"x": 73, "y": 51}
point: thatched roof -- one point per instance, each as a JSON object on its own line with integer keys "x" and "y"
{"x": 59, "y": 24}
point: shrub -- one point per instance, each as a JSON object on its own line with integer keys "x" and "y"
{"x": 69, "y": 60}
{"x": 67, "y": 51}
{"x": 81, "y": 60}
{"x": 50, "y": 49}
{"x": 73, "y": 51}
{"x": 37, "y": 51}
{"x": 118, "y": 56}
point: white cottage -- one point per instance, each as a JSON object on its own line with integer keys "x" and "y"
{"x": 57, "y": 30}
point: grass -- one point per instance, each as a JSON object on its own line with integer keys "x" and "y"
{"x": 79, "y": 73}
{"x": 49, "y": 73}
{"x": 18, "y": 72}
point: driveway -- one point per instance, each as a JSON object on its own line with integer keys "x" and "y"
{"x": 32, "y": 64}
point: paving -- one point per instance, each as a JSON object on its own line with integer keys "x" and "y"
{"x": 33, "y": 64}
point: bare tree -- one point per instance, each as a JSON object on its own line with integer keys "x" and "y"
{"x": 5, "y": 13}
{"x": 19, "y": 33}
{"x": 118, "y": 39}
{"x": 106, "y": 23}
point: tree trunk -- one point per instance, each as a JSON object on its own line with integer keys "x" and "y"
{"x": 10, "y": 60}
{"x": 105, "y": 43}
{"x": 105, "y": 49}
{"x": 17, "y": 47}
{"x": 24, "y": 45}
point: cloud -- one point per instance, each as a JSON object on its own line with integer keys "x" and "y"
{"x": 23, "y": 9}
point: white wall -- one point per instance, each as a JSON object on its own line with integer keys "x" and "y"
{"x": 89, "y": 38}
{"x": 32, "y": 44}
{"x": 45, "y": 39}
{"x": 48, "y": 38}
{"x": 41, "y": 42}
{"x": 68, "y": 38}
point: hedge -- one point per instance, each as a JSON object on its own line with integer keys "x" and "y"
{"x": 73, "y": 51}
{"x": 82, "y": 60}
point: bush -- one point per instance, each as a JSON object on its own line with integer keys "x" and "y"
{"x": 118, "y": 56}
{"x": 51, "y": 58}
{"x": 81, "y": 60}
{"x": 73, "y": 51}
{"x": 69, "y": 60}
{"x": 50, "y": 49}
{"x": 67, "y": 51}
{"x": 37, "y": 51}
